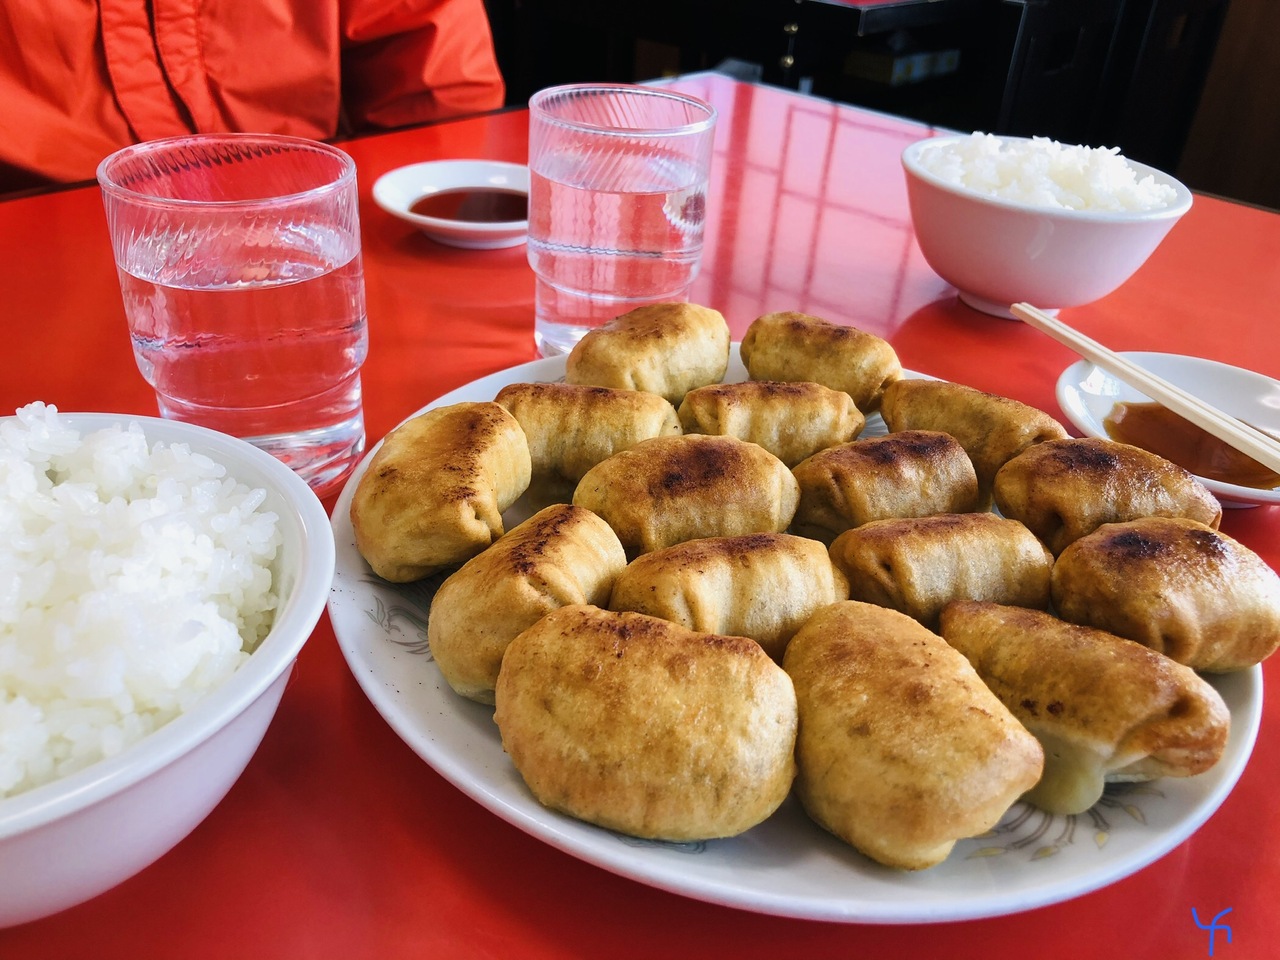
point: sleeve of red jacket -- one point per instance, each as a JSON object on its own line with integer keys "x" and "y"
{"x": 417, "y": 60}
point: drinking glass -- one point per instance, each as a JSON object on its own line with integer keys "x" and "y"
{"x": 239, "y": 264}
{"x": 617, "y": 202}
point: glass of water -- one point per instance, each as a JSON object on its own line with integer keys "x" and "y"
{"x": 617, "y": 202}
{"x": 239, "y": 265}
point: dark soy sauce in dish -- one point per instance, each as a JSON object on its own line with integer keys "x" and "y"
{"x": 474, "y": 205}
{"x": 1160, "y": 430}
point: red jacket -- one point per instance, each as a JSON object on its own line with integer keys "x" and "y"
{"x": 81, "y": 78}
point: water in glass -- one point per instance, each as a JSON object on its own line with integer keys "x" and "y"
{"x": 264, "y": 342}
{"x": 609, "y": 232}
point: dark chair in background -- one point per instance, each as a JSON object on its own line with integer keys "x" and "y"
{"x": 1125, "y": 73}
{"x": 1161, "y": 59}
{"x": 1059, "y": 63}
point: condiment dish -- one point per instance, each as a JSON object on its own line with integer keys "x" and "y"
{"x": 469, "y": 194}
{"x": 1088, "y": 394}
{"x": 68, "y": 840}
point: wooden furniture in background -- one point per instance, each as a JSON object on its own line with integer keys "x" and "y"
{"x": 1116, "y": 73}
{"x": 1234, "y": 138}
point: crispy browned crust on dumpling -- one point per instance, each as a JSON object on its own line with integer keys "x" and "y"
{"x": 902, "y": 750}
{"x": 762, "y": 585}
{"x": 664, "y": 348}
{"x": 790, "y": 420}
{"x": 433, "y": 494}
{"x": 570, "y": 427}
{"x": 992, "y": 429}
{"x": 671, "y": 489}
{"x": 641, "y": 726}
{"x": 915, "y": 473}
{"x": 1176, "y": 586}
{"x": 918, "y": 565}
{"x": 1103, "y": 707}
{"x": 796, "y": 346}
{"x": 560, "y": 556}
{"x": 1064, "y": 489}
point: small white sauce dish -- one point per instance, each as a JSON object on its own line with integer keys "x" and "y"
{"x": 1087, "y": 393}
{"x": 398, "y": 190}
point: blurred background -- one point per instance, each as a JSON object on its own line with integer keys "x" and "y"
{"x": 1189, "y": 86}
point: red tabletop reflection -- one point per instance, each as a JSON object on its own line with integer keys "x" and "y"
{"x": 339, "y": 842}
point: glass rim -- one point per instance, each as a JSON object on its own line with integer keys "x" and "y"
{"x": 538, "y": 108}
{"x": 163, "y": 145}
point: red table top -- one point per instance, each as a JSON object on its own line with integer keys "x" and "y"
{"x": 339, "y": 842}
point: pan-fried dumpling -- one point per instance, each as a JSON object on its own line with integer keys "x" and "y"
{"x": 790, "y": 420}
{"x": 796, "y": 346}
{"x": 560, "y": 556}
{"x": 1104, "y": 708}
{"x": 570, "y": 428}
{"x": 641, "y": 726}
{"x": 434, "y": 492}
{"x": 1176, "y": 586}
{"x": 664, "y": 348}
{"x": 915, "y": 473}
{"x": 671, "y": 489}
{"x": 762, "y": 585}
{"x": 992, "y": 430}
{"x": 1063, "y": 489}
{"x": 920, "y": 564}
{"x": 902, "y": 750}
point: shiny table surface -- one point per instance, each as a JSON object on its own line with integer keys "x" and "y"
{"x": 339, "y": 842}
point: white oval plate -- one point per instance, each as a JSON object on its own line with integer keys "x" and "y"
{"x": 786, "y": 866}
{"x": 399, "y": 189}
{"x": 1087, "y": 393}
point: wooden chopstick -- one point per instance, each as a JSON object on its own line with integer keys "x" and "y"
{"x": 1235, "y": 433}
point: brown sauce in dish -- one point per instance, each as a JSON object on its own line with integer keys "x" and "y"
{"x": 1160, "y": 430}
{"x": 474, "y": 205}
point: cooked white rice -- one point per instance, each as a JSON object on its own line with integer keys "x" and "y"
{"x": 1044, "y": 173}
{"x": 133, "y": 580}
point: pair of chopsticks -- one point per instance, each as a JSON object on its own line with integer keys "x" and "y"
{"x": 1235, "y": 433}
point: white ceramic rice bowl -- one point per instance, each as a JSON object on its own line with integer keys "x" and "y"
{"x": 67, "y": 841}
{"x": 997, "y": 252}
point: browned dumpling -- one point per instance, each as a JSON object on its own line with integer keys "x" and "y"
{"x": 560, "y": 556}
{"x": 796, "y": 346}
{"x": 762, "y": 585}
{"x": 570, "y": 428}
{"x": 665, "y": 348}
{"x": 920, "y": 564}
{"x": 790, "y": 420}
{"x": 902, "y": 749}
{"x": 671, "y": 489}
{"x": 914, "y": 473}
{"x": 992, "y": 430}
{"x": 641, "y": 726}
{"x": 434, "y": 492}
{"x": 1104, "y": 708}
{"x": 1064, "y": 489}
{"x": 1176, "y": 586}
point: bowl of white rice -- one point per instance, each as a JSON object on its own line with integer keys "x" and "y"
{"x": 1012, "y": 219}
{"x": 157, "y": 582}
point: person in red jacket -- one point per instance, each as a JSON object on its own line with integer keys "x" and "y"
{"x": 80, "y": 79}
